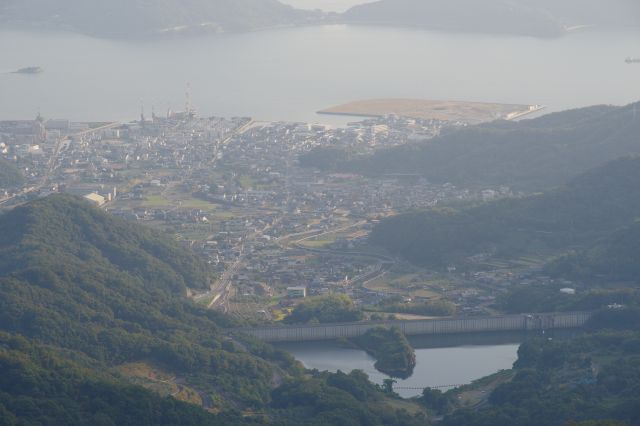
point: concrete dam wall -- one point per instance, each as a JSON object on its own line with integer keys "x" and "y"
{"x": 301, "y": 333}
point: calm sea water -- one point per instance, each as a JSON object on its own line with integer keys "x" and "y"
{"x": 288, "y": 74}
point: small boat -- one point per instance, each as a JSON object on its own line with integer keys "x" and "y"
{"x": 631, "y": 60}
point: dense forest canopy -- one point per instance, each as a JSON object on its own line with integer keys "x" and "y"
{"x": 83, "y": 294}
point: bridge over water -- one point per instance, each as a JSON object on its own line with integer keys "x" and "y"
{"x": 525, "y": 322}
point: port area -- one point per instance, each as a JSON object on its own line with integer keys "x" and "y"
{"x": 423, "y": 109}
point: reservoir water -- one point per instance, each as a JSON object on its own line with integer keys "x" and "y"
{"x": 440, "y": 360}
{"x": 289, "y": 74}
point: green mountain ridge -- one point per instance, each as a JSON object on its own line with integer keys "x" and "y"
{"x": 592, "y": 206}
{"x": 528, "y": 155}
{"x": 85, "y": 297}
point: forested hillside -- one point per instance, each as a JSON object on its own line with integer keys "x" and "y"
{"x": 10, "y": 176}
{"x": 42, "y": 385}
{"x": 593, "y": 379}
{"x": 590, "y": 207}
{"x": 526, "y": 155}
{"x": 616, "y": 257}
{"x": 86, "y": 297}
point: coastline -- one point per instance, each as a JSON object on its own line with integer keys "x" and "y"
{"x": 424, "y": 109}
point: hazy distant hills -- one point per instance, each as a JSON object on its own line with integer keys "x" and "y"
{"x": 602, "y": 13}
{"x": 529, "y": 154}
{"x": 590, "y": 208}
{"x": 523, "y": 17}
{"x": 123, "y": 18}
{"x": 143, "y": 18}
{"x": 492, "y": 16}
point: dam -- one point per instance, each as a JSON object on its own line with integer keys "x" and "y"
{"x": 318, "y": 332}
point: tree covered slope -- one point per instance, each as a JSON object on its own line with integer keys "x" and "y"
{"x": 590, "y": 207}
{"x": 84, "y": 296}
{"x": 527, "y": 155}
{"x": 615, "y": 257}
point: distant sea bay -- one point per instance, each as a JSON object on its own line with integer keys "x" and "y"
{"x": 289, "y": 74}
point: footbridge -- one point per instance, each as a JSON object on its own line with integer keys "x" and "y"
{"x": 524, "y": 322}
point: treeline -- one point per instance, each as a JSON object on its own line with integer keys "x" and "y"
{"x": 526, "y": 155}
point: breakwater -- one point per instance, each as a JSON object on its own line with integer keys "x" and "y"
{"x": 315, "y": 332}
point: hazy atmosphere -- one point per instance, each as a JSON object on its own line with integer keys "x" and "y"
{"x": 320, "y": 212}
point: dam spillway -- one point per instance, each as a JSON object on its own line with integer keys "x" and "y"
{"x": 316, "y": 332}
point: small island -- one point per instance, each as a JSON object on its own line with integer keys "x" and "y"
{"x": 29, "y": 70}
{"x": 391, "y": 349}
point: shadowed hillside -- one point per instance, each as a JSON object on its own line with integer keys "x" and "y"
{"x": 529, "y": 155}
{"x": 590, "y": 207}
